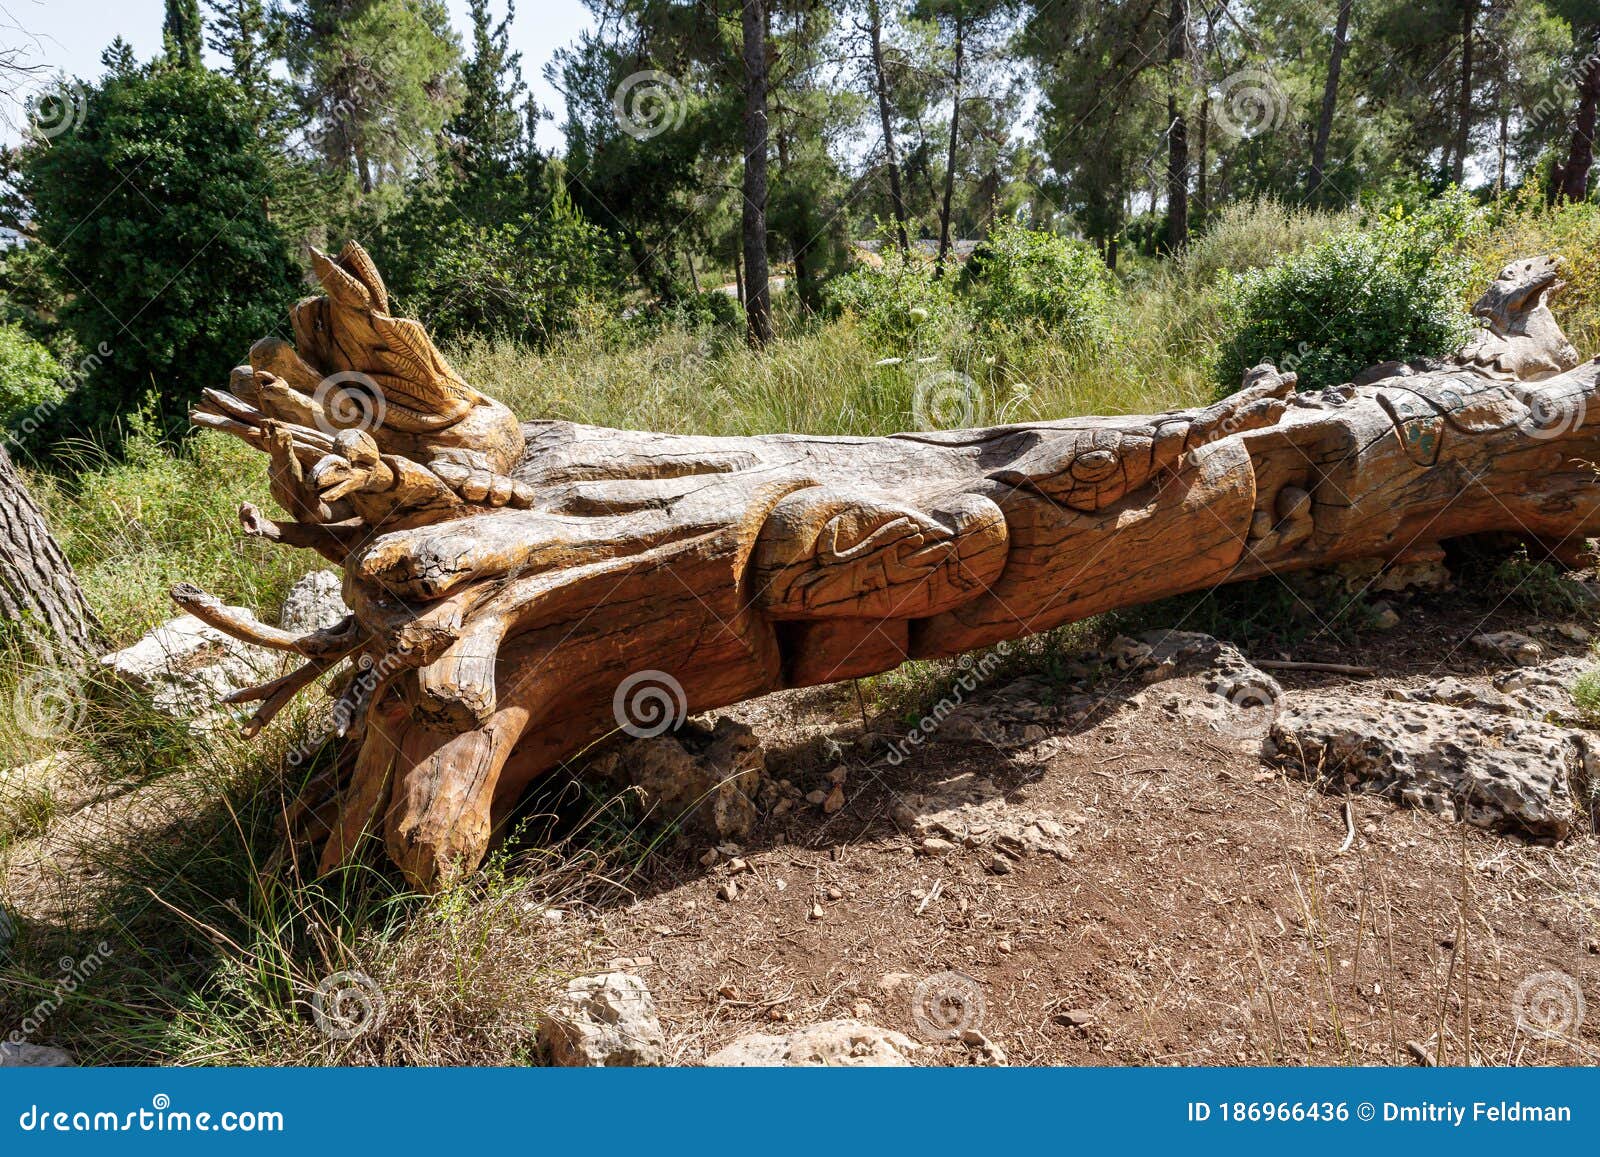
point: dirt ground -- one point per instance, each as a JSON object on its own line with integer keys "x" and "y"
{"x": 1173, "y": 899}
{"x": 1201, "y": 910}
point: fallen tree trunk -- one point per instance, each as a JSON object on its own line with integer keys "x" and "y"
{"x": 520, "y": 591}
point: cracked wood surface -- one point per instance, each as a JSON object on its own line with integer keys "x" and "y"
{"x": 512, "y": 584}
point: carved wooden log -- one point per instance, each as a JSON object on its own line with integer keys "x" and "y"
{"x": 520, "y": 591}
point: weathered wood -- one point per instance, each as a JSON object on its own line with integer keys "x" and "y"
{"x": 520, "y": 591}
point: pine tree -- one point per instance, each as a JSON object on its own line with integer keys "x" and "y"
{"x": 246, "y": 36}
{"x": 487, "y": 132}
{"x": 118, "y": 58}
{"x": 181, "y": 33}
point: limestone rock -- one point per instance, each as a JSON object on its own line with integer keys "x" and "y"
{"x": 601, "y": 1022}
{"x": 830, "y": 1043}
{"x": 15, "y": 1055}
{"x": 315, "y": 602}
{"x": 705, "y": 779}
{"x": 186, "y": 667}
{"x": 969, "y": 811}
{"x": 1488, "y": 769}
{"x": 1510, "y": 645}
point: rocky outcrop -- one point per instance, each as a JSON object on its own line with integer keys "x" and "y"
{"x": 830, "y": 1043}
{"x": 603, "y": 1021}
{"x": 1486, "y": 767}
{"x": 705, "y": 779}
{"x": 19, "y": 1055}
{"x": 186, "y": 667}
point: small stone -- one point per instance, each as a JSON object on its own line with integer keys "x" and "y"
{"x": 835, "y": 800}
{"x": 783, "y": 807}
{"x": 19, "y": 1055}
{"x": 834, "y": 1042}
{"x": 737, "y": 865}
{"x": 894, "y": 981}
{"x": 603, "y": 1021}
{"x": 835, "y": 893}
{"x": 1003, "y": 946}
{"x": 934, "y": 846}
{"x": 1512, "y": 645}
{"x": 838, "y": 774}
{"x": 992, "y": 1052}
{"x": 816, "y": 912}
{"x": 1384, "y": 617}
{"x": 728, "y": 891}
{"x": 817, "y": 798}
{"x": 1075, "y": 1018}
{"x": 710, "y": 857}
{"x": 1000, "y": 864}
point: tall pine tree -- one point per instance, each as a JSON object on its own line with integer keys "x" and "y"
{"x": 182, "y": 32}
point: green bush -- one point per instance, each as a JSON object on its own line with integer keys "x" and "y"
{"x": 1359, "y": 297}
{"x": 901, "y": 307}
{"x": 539, "y": 271}
{"x": 1023, "y": 279}
{"x": 30, "y": 376}
{"x": 155, "y": 211}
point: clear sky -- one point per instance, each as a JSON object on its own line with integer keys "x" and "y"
{"x": 69, "y": 35}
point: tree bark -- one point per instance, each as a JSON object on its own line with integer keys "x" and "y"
{"x": 518, "y": 592}
{"x": 955, "y": 141}
{"x": 1330, "y": 98}
{"x": 891, "y": 158}
{"x": 1463, "y": 141}
{"x": 1574, "y": 173}
{"x": 38, "y": 590}
{"x": 758, "y": 294}
{"x": 1177, "y": 129}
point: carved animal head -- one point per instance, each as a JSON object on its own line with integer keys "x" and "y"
{"x": 1524, "y": 339}
{"x": 1522, "y": 287}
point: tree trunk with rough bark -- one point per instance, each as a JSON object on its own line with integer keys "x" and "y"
{"x": 955, "y": 143}
{"x": 1177, "y": 129}
{"x": 1572, "y": 177}
{"x": 38, "y": 591}
{"x": 1330, "y": 99}
{"x": 891, "y": 158}
{"x": 520, "y": 591}
{"x": 758, "y": 292}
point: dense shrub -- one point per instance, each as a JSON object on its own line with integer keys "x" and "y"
{"x": 155, "y": 210}
{"x": 1023, "y": 279}
{"x": 1572, "y": 231}
{"x": 1249, "y": 235}
{"x": 901, "y": 307}
{"x": 524, "y": 264}
{"x": 1392, "y": 290}
{"x": 30, "y": 376}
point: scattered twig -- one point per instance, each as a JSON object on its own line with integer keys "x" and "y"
{"x": 1326, "y": 668}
